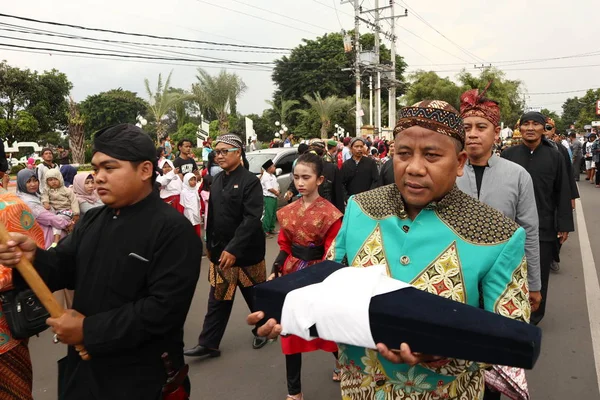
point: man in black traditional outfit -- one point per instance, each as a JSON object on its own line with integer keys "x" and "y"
{"x": 235, "y": 243}
{"x": 359, "y": 173}
{"x": 546, "y": 165}
{"x": 554, "y": 139}
{"x": 133, "y": 283}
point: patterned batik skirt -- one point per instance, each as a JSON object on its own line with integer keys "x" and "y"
{"x": 226, "y": 281}
{"x": 16, "y": 375}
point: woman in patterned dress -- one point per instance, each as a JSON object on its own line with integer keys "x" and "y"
{"x": 16, "y": 375}
{"x": 308, "y": 227}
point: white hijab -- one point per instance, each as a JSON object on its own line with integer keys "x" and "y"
{"x": 189, "y": 198}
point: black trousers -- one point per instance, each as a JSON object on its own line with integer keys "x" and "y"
{"x": 217, "y": 317}
{"x": 597, "y": 176}
{"x": 489, "y": 395}
{"x": 548, "y": 252}
{"x": 577, "y": 168}
{"x": 293, "y": 366}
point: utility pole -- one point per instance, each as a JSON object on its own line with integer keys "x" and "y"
{"x": 357, "y": 64}
{"x": 377, "y": 130}
{"x": 392, "y": 89}
{"x": 371, "y": 99}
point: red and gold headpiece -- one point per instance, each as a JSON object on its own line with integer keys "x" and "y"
{"x": 473, "y": 104}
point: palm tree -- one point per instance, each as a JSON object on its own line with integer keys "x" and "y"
{"x": 76, "y": 135}
{"x": 162, "y": 100}
{"x": 325, "y": 108}
{"x": 284, "y": 108}
{"x": 219, "y": 94}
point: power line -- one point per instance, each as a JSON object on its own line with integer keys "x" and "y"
{"x": 129, "y": 48}
{"x": 239, "y": 68}
{"x": 521, "y": 69}
{"x": 140, "y": 34}
{"x": 87, "y": 38}
{"x": 337, "y": 14}
{"x": 77, "y": 37}
{"x": 255, "y": 16}
{"x": 415, "y": 50}
{"x": 437, "y": 47}
{"x": 423, "y": 20}
{"x": 137, "y": 56}
{"x": 565, "y": 92}
{"x": 281, "y": 15}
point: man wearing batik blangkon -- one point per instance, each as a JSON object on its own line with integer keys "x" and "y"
{"x": 441, "y": 240}
{"x": 235, "y": 242}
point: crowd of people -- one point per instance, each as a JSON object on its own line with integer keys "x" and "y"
{"x": 436, "y": 205}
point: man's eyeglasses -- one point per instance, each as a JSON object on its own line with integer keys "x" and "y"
{"x": 224, "y": 152}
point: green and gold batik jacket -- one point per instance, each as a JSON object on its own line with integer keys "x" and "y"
{"x": 457, "y": 248}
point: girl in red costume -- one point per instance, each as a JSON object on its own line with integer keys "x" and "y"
{"x": 308, "y": 226}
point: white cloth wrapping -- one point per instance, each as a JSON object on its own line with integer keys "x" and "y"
{"x": 339, "y": 306}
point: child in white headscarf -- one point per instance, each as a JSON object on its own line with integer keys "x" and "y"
{"x": 190, "y": 200}
{"x": 170, "y": 184}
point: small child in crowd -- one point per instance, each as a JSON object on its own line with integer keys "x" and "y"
{"x": 60, "y": 199}
{"x": 190, "y": 200}
{"x": 270, "y": 188}
{"x": 170, "y": 184}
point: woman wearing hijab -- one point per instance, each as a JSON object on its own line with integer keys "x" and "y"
{"x": 85, "y": 191}
{"x": 28, "y": 190}
{"x": 68, "y": 173}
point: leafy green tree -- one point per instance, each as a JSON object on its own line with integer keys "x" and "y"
{"x": 22, "y": 125}
{"x": 219, "y": 94}
{"x": 162, "y": 100}
{"x": 113, "y": 107}
{"x": 587, "y": 112}
{"x": 325, "y": 108}
{"x": 187, "y": 131}
{"x": 427, "y": 85}
{"x": 76, "y": 133}
{"x": 571, "y": 109}
{"x": 317, "y": 65}
{"x": 27, "y": 96}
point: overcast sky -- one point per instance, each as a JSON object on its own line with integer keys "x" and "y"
{"x": 495, "y": 32}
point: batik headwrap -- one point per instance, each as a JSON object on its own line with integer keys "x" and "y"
{"x": 230, "y": 139}
{"x": 436, "y": 115}
{"x": 473, "y": 104}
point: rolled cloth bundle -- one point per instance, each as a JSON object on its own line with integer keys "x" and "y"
{"x": 384, "y": 312}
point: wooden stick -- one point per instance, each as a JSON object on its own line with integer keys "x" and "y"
{"x": 38, "y": 286}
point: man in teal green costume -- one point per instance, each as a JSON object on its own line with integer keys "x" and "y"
{"x": 432, "y": 235}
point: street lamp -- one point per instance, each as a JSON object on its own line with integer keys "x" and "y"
{"x": 141, "y": 121}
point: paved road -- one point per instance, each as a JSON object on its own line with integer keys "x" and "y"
{"x": 565, "y": 370}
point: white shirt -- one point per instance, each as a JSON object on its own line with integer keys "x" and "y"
{"x": 269, "y": 181}
{"x": 170, "y": 185}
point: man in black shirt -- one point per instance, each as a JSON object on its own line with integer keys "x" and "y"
{"x": 235, "y": 242}
{"x": 134, "y": 265}
{"x": 184, "y": 163}
{"x": 386, "y": 175}
{"x": 359, "y": 173}
{"x": 546, "y": 165}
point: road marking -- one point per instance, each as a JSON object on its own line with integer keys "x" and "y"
{"x": 592, "y": 287}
